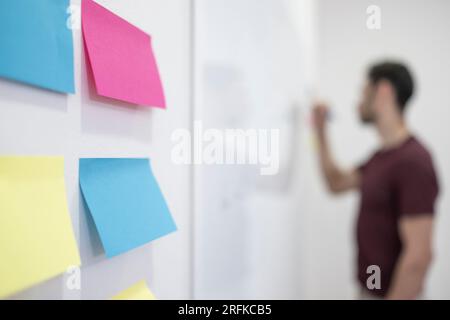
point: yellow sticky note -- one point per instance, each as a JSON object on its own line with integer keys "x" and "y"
{"x": 36, "y": 235}
{"x": 139, "y": 291}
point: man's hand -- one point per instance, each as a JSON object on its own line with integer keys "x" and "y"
{"x": 320, "y": 114}
{"x": 337, "y": 179}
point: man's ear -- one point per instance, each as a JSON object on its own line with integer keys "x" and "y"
{"x": 385, "y": 92}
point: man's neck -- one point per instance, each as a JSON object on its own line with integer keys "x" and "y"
{"x": 393, "y": 134}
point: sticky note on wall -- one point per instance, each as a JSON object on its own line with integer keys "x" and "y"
{"x": 36, "y": 236}
{"x": 139, "y": 291}
{"x": 125, "y": 202}
{"x": 36, "y": 44}
{"x": 121, "y": 58}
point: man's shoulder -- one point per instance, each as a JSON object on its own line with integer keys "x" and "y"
{"x": 414, "y": 155}
{"x": 416, "y": 149}
{"x": 409, "y": 156}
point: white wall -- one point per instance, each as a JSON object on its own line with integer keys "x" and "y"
{"x": 258, "y": 238}
{"x": 38, "y": 122}
{"x": 416, "y": 31}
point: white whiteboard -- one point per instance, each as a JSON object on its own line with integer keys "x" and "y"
{"x": 250, "y": 73}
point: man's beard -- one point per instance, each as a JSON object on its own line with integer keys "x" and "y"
{"x": 366, "y": 115}
{"x": 366, "y": 120}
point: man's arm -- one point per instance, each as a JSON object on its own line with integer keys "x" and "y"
{"x": 415, "y": 258}
{"x": 337, "y": 179}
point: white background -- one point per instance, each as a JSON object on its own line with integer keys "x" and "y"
{"x": 418, "y": 32}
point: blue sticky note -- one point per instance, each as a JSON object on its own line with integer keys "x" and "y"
{"x": 36, "y": 44}
{"x": 125, "y": 202}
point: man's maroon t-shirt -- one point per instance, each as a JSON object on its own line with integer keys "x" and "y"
{"x": 394, "y": 183}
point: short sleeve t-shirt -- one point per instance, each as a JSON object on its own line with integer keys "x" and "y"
{"x": 394, "y": 183}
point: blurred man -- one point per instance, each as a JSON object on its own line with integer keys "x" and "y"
{"x": 398, "y": 188}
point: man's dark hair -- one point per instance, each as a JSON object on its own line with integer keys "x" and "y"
{"x": 398, "y": 75}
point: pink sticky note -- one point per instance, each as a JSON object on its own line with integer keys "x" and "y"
{"x": 121, "y": 58}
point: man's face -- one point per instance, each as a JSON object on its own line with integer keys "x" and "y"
{"x": 366, "y": 105}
